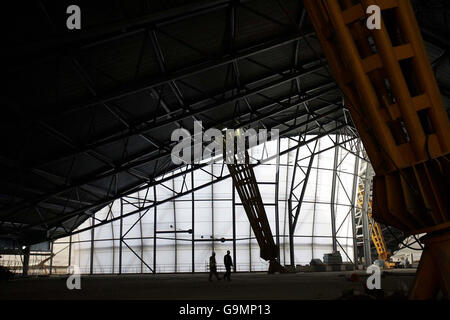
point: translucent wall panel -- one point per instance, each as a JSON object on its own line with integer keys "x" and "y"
{"x": 243, "y": 240}
{"x": 212, "y": 207}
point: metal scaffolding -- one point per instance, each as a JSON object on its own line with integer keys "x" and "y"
{"x": 148, "y": 200}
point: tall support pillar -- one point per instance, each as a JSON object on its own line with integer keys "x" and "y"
{"x": 212, "y": 209}
{"x": 353, "y": 210}
{"x": 51, "y": 258}
{"x": 277, "y": 191}
{"x": 175, "y": 228}
{"x": 291, "y": 236}
{"x": 314, "y": 208}
{"x": 26, "y": 261}
{"x": 120, "y": 237}
{"x": 155, "y": 220}
{"x": 193, "y": 222}
{"x": 91, "y": 266}
{"x": 140, "y": 230}
{"x": 365, "y": 217}
{"x": 233, "y": 197}
{"x": 113, "y": 258}
{"x": 290, "y": 209}
{"x": 286, "y": 208}
{"x": 333, "y": 194}
{"x": 69, "y": 262}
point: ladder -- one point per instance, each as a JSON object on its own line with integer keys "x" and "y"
{"x": 241, "y": 171}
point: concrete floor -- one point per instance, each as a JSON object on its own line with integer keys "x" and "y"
{"x": 258, "y": 286}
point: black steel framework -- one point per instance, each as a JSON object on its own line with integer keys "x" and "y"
{"x": 72, "y": 197}
{"x": 105, "y": 132}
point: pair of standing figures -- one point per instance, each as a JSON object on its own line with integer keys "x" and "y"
{"x": 213, "y": 266}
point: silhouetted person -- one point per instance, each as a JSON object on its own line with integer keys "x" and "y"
{"x": 213, "y": 267}
{"x": 228, "y": 264}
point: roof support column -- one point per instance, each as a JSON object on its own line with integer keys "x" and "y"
{"x": 353, "y": 204}
{"x": 26, "y": 260}
{"x": 365, "y": 216}
{"x": 333, "y": 194}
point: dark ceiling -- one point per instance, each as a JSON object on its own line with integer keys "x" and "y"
{"x": 88, "y": 114}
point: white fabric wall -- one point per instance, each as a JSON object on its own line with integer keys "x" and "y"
{"x": 213, "y": 218}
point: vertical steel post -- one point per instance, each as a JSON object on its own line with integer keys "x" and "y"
{"x": 315, "y": 202}
{"x": 277, "y": 191}
{"x": 120, "y": 236}
{"x": 175, "y": 227}
{"x": 193, "y": 222}
{"x": 113, "y": 248}
{"x": 333, "y": 194}
{"x": 354, "y": 191}
{"x": 155, "y": 220}
{"x": 233, "y": 197}
{"x": 140, "y": 228}
{"x": 51, "y": 257}
{"x": 290, "y": 218}
{"x": 26, "y": 260}
{"x": 291, "y": 236}
{"x": 91, "y": 267}
{"x": 286, "y": 209}
{"x": 212, "y": 207}
{"x": 250, "y": 249}
{"x": 365, "y": 217}
{"x": 69, "y": 262}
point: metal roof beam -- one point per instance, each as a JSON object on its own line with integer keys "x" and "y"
{"x": 190, "y": 70}
{"x": 81, "y": 211}
{"x": 134, "y": 162}
{"x": 146, "y": 125}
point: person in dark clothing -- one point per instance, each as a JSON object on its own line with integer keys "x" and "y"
{"x": 213, "y": 267}
{"x": 228, "y": 264}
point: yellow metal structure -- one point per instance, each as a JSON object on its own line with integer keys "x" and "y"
{"x": 394, "y": 100}
{"x": 376, "y": 232}
{"x": 42, "y": 265}
{"x": 378, "y": 241}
